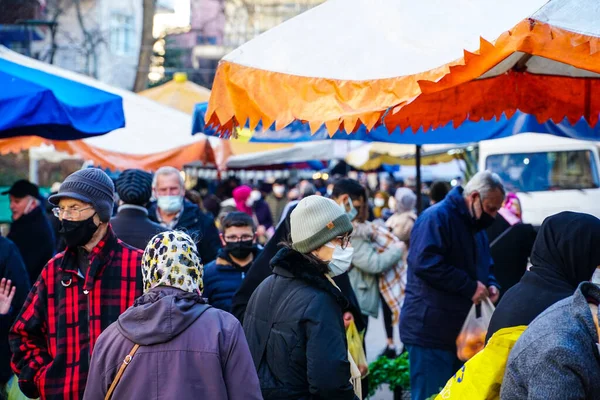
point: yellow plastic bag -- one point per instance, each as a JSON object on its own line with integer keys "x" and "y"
{"x": 355, "y": 347}
{"x": 481, "y": 377}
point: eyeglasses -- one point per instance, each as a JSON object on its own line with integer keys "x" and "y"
{"x": 235, "y": 239}
{"x": 345, "y": 241}
{"x": 69, "y": 213}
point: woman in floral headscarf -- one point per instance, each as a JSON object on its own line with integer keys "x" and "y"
{"x": 177, "y": 346}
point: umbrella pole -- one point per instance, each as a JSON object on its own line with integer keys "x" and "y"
{"x": 418, "y": 184}
{"x": 33, "y": 168}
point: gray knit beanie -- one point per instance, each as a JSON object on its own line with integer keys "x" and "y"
{"x": 92, "y": 186}
{"x": 316, "y": 221}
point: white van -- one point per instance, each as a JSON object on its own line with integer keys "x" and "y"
{"x": 550, "y": 174}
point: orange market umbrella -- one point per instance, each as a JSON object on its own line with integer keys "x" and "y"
{"x": 415, "y": 64}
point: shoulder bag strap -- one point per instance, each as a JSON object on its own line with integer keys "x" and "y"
{"x": 501, "y": 235}
{"x": 263, "y": 344}
{"x": 124, "y": 365}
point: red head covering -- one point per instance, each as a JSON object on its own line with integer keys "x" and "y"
{"x": 241, "y": 195}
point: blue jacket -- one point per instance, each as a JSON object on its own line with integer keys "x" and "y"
{"x": 222, "y": 278}
{"x": 446, "y": 259}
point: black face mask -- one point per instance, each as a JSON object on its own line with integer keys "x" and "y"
{"x": 240, "y": 250}
{"x": 78, "y": 233}
{"x": 485, "y": 221}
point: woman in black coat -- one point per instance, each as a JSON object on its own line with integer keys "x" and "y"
{"x": 294, "y": 322}
{"x": 511, "y": 242}
{"x": 566, "y": 252}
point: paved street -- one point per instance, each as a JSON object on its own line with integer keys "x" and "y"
{"x": 375, "y": 342}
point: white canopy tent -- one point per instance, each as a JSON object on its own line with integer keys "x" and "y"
{"x": 403, "y": 56}
{"x": 301, "y": 152}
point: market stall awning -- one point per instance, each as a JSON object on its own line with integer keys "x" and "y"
{"x": 40, "y": 103}
{"x": 467, "y": 132}
{"x": 320, "y": 150}
{"x": 153, "y": 131}
{"x": 414, "y": 65}
{"x": 178, "y": 93}
{"x": 372, "y": 156}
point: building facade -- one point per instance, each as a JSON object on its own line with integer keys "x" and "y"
{"x": 99, "y": 38}
{"x": 219, "y": 26}
{"x": 104, "y": 43}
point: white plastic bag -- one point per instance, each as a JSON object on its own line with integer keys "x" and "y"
{"x": 471, "y": 339}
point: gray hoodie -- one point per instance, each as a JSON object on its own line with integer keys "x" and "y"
{"x": 188, "y": 350}
{"x": 557, "y": 357}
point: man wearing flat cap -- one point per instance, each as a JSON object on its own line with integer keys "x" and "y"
{"x": 79, "y": 293}
{"x": 131, "y": 224}
{"x": 30, "y": 229}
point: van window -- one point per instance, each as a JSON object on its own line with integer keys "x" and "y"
{"x": 534, "y": 172}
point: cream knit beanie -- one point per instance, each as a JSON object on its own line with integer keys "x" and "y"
{"x": 316, "y": 221}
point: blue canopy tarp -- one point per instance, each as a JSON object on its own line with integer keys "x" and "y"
{"x": 33, "y": 102}
{"x": 467, "y": 132}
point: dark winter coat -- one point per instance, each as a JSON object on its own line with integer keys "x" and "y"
{"x": 510, "y": 247}
{"x": 188, "y": 350}
{"x": 132, "y": 225}
{"x": 263, "y": 213}
{"x": 54, "y": 335}
{"x": 565, "y": 253}
{"x": 557, "y": 357}
{"x": 12, "y": 268}
{"x": 306, "y": 354}
{"x": 447, "y": 257}
{"x": 222, "y": 278}
{"x": 261, "y": 270}
{"x": 276, "y": 205}
{"x": 199, "y": 225}
{"x": 34, "y": 237}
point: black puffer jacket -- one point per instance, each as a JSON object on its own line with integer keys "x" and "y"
{"x": 306, "y": 355}
{"x": 34, "y": 237}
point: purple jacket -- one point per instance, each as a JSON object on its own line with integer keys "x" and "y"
{"x": 188, "y": 350}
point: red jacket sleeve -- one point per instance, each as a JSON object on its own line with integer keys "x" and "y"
{"x": 29, "y": 340}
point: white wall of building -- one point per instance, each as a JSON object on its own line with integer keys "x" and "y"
{"x": 122, "y": 22}
{"x": 118, "y": 25}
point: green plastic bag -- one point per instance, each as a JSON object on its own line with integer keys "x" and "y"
{"x": 13, "y": 391}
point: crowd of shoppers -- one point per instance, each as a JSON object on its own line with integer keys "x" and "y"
{"x": 163, "y": 292}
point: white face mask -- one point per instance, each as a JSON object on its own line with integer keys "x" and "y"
{"x": 341, "y": 260}
{"x": 28, "y": 208}
{"x": 392, "y": 203}
{"x": 353, "y": 212}
{"x": 255, "y": 195}
{"x": 170, "y": 204}
{"x": 278, "y": 190}
{"x": 596, "y": 277}
{"x": 379, "y": 202}
{"x": 249, "y": 202}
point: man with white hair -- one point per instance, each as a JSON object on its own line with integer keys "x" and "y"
{"x": 449, "y": 269}
{"x": 30, "y": 229}
{"x": 173, "y": 212}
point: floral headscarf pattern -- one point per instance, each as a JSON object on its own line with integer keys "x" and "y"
{"x": 171, "y": 259}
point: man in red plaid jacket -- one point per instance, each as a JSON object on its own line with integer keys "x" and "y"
{"x": 79, "y": 293}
